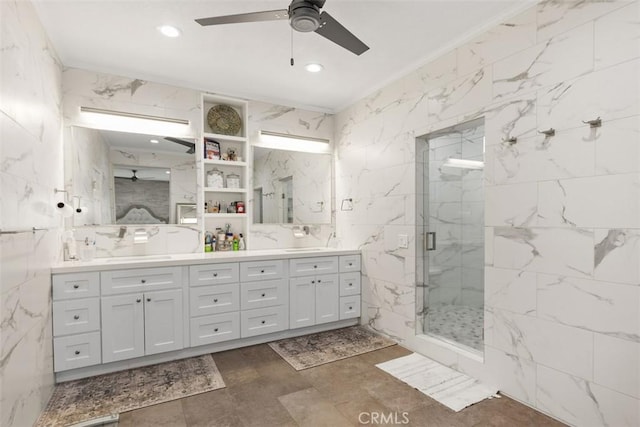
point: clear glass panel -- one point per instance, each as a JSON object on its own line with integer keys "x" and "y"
{"x": 453, "y": 254}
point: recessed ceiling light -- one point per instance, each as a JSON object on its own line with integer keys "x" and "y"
{"x": 313, "y": 67}
{"x": 169, "y": 30}
{"x": 154, "y": 141}
{"x": 167, "y": 171}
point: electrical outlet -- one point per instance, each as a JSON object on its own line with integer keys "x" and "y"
{"x": 403, "y": 241}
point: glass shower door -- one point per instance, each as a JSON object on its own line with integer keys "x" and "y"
{"x": 453, "y": 248}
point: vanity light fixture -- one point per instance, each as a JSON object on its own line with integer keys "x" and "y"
{"x": 313, "y": 67}
{"x": 169, "y": 31}
{"x": 283, "y": 141}
{"x": 464, "y": 163}
{"x": 124, "y": 121}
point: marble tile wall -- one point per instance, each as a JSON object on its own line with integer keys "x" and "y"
{"x": 562, "y": 232}
{"x": 31, "y": 163}
{"x": 100, "y": 90}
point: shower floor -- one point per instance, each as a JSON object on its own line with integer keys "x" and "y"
{"x": 459, "y": 323}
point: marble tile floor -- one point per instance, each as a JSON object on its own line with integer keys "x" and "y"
{"x": 459, "y": 323}
{"x": 263, "y": 391}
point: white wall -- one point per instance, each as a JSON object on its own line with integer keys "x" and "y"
{"x": 562, "y": 225}
{"x": 30, "y": 168}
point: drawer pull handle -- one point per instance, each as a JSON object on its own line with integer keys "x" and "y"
{"x": 264, "y": 321}
{"x": 148, "y": 299}
{"x": 77, "y": 352}
{"x": 264, "y": 295}
{"x": 261, "y": 271}
{"x": 215, "y": 300}
{"x": 76, "y": 317}
{"x": 215, "y": 330}
{"x": 138, "y": 300}
{"x": 143, "y": 281}
{"x": 215, "y": 274}
{"x": 76, "y": 286}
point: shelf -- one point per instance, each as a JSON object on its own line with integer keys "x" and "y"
{"x": 224, "y": 163}
{"x": 224, "y": 190}
{"x": 228, "y": 138}
{"x": 225, "y": 215}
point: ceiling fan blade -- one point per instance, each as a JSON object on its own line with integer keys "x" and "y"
{"x": 331, "y": 29}
{"x": 270, "y": 15}
{"x": 191, "y": 145}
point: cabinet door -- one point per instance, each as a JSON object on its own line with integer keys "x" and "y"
{"x": 122, "y": 327}
{"x": 302, "y": 302}
{"x": 327, "y": 298}
{"x": 163, "y": 321}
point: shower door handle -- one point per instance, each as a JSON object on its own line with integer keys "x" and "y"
{"x": 430, "y": 241}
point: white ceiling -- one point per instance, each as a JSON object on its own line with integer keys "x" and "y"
{"x": 251, "y": 60}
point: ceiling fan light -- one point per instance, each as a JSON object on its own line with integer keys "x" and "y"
{"x": 313, "y": 67}
{"x": 169, "y": 31}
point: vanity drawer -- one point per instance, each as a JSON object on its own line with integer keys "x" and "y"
{"x": 76, "y": 316}
{"x": 349, "y": 263}
{"x": 258, "y": 270}
{"x": 264, "y": 321}
{"x": 312, "y": 266}
{"x": 76, "y": 285}
{"x": 214, "y": 274}
{"x": 266, "y": 293}
{"x": 206, "y": 300}
{"x": 76, "y": 351}
{"x": 216, "y": 328}
{"x": 349, "y": 284}
{"x": 349, "y": 307}
{"x": 140, "y": 280}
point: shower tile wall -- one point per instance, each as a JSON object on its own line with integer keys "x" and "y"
{"x": 30, "y": 168}
{"x": 562, "y": 231}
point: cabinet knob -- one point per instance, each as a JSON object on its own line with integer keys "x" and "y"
{"x": 143, "y": 281}
{"x": 319, "y": 280}
{"x": 315, "y": 266}
{"x": 261, "y": 271}
{"x": 77, "y": 352}
{"x": 350, "y": 264}
{"x": 350, "y": 308}
{"x": 76, "y": 317}
{"x": 215, "y": 274}
{"x": 148, "y": 299}
{"x": 138, "y": 300}
{"x": 313, "y": 281}
{"x": 264, "y": 321}
{"x": 215, "y": 300}
{"x": 76, "y": 286}
{"x": 263, "y": 295}
{"x": 350, "y": 284}
{"x": 215, "y": 330}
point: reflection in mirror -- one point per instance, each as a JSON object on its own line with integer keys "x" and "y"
{"x": 291, "y": 187}
{"x": 127, "y": 178}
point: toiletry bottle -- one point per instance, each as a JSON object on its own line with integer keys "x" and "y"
{"x": 241, "y": 245}
{"x": 236, "y": 245}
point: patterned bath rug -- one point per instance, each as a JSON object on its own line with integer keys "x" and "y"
{"x": 451, "y": 388}
{"x": 90, "y": 398}
{"x": 325, "y": 347}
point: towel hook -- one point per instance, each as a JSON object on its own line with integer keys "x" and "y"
{"x": 511, "y": 140}
{"x": 595, "y": 123}
{"x": 548, "y": 133}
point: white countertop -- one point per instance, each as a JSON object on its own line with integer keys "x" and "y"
{"x": 149, "y": 261}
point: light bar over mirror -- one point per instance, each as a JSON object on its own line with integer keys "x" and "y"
{"x": 283, "y": 141}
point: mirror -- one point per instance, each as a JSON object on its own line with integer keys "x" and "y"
{"x": 291, "y": 187}
{"x": 128, "y": 178}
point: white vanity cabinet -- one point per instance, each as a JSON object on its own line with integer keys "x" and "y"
{"x": 76, "y": 320}
{"x": 141, "y": 312}
{"x": 319, "y": 294}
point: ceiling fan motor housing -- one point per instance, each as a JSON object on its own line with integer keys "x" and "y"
{"x": 304, "y": 16}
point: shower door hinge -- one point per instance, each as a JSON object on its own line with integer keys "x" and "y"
{"x": 430, "y": 243}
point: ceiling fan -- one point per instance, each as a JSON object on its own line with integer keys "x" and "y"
{"x": 304, "y": 16}
{"x": 134, "y": 178}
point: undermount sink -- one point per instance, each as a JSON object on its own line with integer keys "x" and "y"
{"x": 303, "y": 249}
{"x": 139, "y": 258}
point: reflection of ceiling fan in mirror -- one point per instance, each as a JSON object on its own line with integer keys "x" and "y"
{"x": 304, "y": 16}
{"x": 141, "y": 173}
{"x": 134, "y": 178}
{"x": 191, "y": 145}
